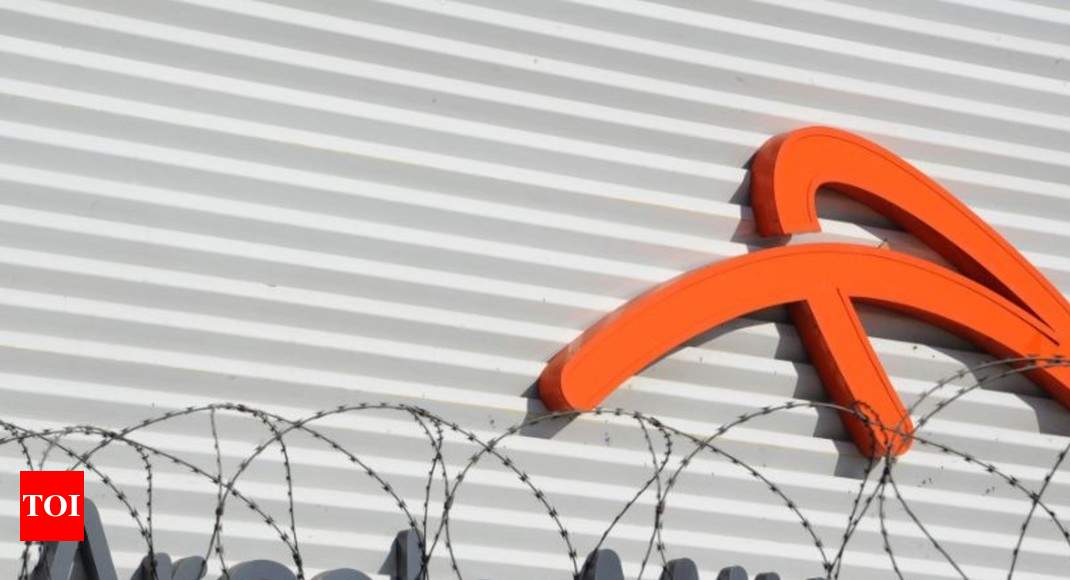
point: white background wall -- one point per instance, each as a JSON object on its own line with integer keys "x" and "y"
{"x": 300, "y": 204}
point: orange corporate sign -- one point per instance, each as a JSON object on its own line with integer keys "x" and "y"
{"x": 996, "y": 299}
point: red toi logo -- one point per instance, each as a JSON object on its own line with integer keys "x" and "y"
{"x": 996, "y": 299}
{"x": 50, "y": 506}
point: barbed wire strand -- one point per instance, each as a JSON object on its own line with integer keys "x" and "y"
{"x": 436, "y": 429}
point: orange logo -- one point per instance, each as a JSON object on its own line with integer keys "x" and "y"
{"x": 996, "y": 299}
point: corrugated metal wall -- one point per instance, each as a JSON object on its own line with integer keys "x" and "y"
{"x": 303, "y": 203}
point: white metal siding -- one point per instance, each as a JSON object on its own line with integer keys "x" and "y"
{"x": 303, "y": 203}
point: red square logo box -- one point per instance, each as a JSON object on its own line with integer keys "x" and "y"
{"x": 51, "y": 506}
